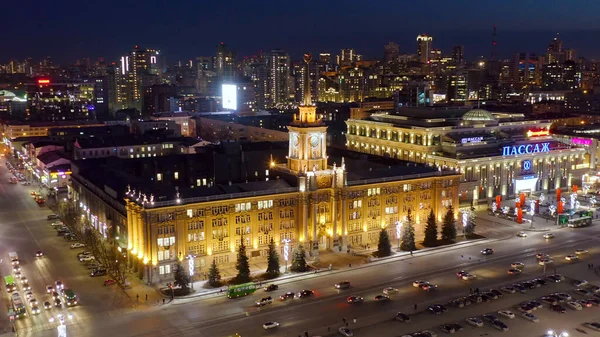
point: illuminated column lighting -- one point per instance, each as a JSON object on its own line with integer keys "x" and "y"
{"x": 286, "y": 252}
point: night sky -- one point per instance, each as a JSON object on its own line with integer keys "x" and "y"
{"x": 69, "y": 29}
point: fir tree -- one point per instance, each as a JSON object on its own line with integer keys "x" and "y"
{"x": 214, "y": 275}
{"x": 384, "y": 247}
{"x": 470, "y": 227}
{"x": 408, "y": 234}
{"x": 299, "y": 260}
{"x": 273, "y": 260}
{"x": 242, "y": 265}
{"x": 182, "y": 278}
{"x": 449, "y": 226}
{"x": 431, "y": 231}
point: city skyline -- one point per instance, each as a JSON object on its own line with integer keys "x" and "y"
{"x": 197, "y": 30}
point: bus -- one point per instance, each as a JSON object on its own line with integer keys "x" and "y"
{"x": 580, "y": 222}
{"x": 241, "y": 290}
{"x": 10, "y": 283}
{"x": 70, "y": 297}
{"x": 18, "y": 306}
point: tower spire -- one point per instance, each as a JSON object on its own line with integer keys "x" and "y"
{"x": 307, "y": 98}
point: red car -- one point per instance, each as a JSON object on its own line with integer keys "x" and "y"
{"x": 108, "y": 282}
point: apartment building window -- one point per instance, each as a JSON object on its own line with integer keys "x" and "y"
{"x": 163, "y": 270}
{"x": 265, "y": 204}
{"x": 242, "y": 207}
{"x": 176, "y": 175}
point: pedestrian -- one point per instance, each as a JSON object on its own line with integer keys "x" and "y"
{"x": 163, "y": 301}
{"x": 415, "y": 306}
{"x": 146, "y": 297}
{"x": 349, "y": 265}
{"x": 471, "y": 291}
{"x": 346, "y": 324}
{"x": 411, "y": 253}
{"x": 328, "y": 329}
{"x": 305, "y": 333}
{"x": 344, "y": 319}
{"x": 461, "y": 256}
{"x": 137, "y": 297}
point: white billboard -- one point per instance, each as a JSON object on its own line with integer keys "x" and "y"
{"x": 229, "y": 96}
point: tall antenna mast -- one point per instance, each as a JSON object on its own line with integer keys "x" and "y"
{"x": 494, "y": 44}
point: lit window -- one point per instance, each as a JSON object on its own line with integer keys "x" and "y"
{"x": 176, "y": 175}
{"x": 159, "y": 177}
{"x": 160, "y": 242}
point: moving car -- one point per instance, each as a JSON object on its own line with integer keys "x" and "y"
{"x": 514, "y": 271}
{"x": 354, "y": 299}
{"x": 39, "y": 253}
{"x": 436, "y": 309}
{"x": 271, "y": 287}
{"x": 381, "y": 298}
{"x": 55, "y": 295}
{"x": 270, "y": 325}
{"x": 529, "y": 317}
{"x": 305, "y": 293}
{"x": 288, "y": 295}
{"x": 390, "y": 290}
{"x": 402, "y": 317}
{"x": 264, "y": 301}
{"x": 342, "y": 285}
{"x": 506, "y": 313}
{"x": 474, "y": 321}
{"x": 548, "y": 236}
{"x": 522, "y": 234}
{"x": 33, "y": 302}
{"x": 59, "y": 285}
{"x": 26, "y": 286}
{"x": 571, "y": 257}
{"x": 345, "y": 332}
{"x": 109, "y": 281}
{"x": 47, "y": 305}
{"x": 35, "y": 310}
{"x": 487, "y": 251}
{"x": 543, "y": 262}
{"x": 418, "y": 283}
{"x": 541, "y": 256}
{"x": 518, "y": 265}
{"x": 49, "y": 289}
{"x": 592, "y": 325}
{"x": 581, "y": 251}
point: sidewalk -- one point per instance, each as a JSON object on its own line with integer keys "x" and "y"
{"x": 287, "y": 278}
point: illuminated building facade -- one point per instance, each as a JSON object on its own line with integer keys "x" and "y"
{"x": 496, "y": 154}
{"x": 324, "y": 201}
{"x": 424, "y": 48}
{"x": 49, "y": 100}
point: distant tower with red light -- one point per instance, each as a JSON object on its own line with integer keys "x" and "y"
{"x": 424, "y": 47}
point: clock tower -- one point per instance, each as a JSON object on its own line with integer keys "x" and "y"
{"x": 307, "y": 147}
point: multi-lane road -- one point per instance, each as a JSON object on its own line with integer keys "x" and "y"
{"x": 105, "y": 311}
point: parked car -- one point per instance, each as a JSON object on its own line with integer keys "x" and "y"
{"x": 529, "y": 317}
{"x": 98, "y": 272}
{"x": 109, "y": 281}
{"x": 271, "y": 287}
{"x": 52, "y": 217}
{"x": 474, "y": 321}
{"x": 77, "y": 245}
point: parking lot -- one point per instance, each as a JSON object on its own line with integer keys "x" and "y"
{"x": 571, "y": 321}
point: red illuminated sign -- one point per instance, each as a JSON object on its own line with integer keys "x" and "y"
{"x": 43, "y": 81}
{"x": 538, "y": 133}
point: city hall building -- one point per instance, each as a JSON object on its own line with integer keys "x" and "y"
{"x": 495, "y": 153}
{"x": 311, "y": 196}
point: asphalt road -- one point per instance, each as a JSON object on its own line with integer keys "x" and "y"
{"x": 104, "y": 311}
{"x": 24, "y": 229}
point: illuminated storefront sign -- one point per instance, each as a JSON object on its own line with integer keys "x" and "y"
{"x": 526, "y": 165}
{"x": 524, "y": 149}
{"x": 471, "y": 140}
{"x": 43, "y": 81}
{"x": 537, "y": 133}
{"x": 581, "y": 141}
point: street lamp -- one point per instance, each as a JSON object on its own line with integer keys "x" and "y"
{"x": 286, "y": 251}
{"x": 191, "y": 266}
{"x": 398, "y": 232}
{"x": 61, "y": 328}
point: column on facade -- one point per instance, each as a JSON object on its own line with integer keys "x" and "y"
{"x": 304, "y": 217}
{"x": 334, "y": 205}
{"x": 140, "y": 231}
{"x": 323, "y": 148}
{"x": 344, "y": 239}
{"x": 129, "y": 227}
{"x": 134, "y": 230}
{"x": 313, "y": 216}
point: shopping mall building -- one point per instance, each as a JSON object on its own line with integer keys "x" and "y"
{"x": 496, "y": 153}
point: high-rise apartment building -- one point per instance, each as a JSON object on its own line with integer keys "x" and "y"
{"x": 225, "y": 63}
{"x": 347, "y": 57}
{"x": 138, "y": 69}
{"x": 278, "y": 82}
{"x": 424, "y": 47}
{"x": 391, "y": 51}
{"x": 458, "y": 54}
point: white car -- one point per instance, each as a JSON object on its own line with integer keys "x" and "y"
{"x": 270, "y": 325}
{"x": 530, "y": 317}
{"x": 390, "y": 290}
{"x": 522, "y": 234}
{"x": 580, "y": 283}
{"x": 506, "y": 313}
{"x": 87, "y": 258}
{"x": 544, "y": 262}
{"x": 58, "y": 223}
{"x": 517, "y": 265}
{"x": 509, "y": 290}
{"x": 581, "y": 251}
{"x": 474, "y": 321}
{"x": 345, "y": 332}
{"x": 574, "y": 305}
{"x": 77, "y": 245}
{"x": 468, "y": 276}
{"x": 548, "y": 236}
{"x": 418, "y": 283}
